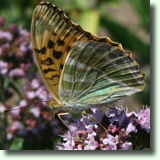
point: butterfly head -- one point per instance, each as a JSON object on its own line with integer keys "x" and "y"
{"x": 53, "y": 104}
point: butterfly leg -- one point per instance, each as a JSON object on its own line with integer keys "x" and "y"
{"x": 84, "y": 113}
{"x": 59, "y": 115}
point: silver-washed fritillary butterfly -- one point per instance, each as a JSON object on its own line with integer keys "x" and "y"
{"x": 80, "y": 69}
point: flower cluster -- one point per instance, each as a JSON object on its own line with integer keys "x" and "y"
{"x": 124, "y": 131}
{"x": 15, "y": 50}
{"x": 29, "y": 118}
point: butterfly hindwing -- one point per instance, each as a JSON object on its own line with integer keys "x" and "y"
{"x": 98, "y": 73}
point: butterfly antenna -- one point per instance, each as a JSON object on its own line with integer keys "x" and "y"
{"x": 8, "y": 110}
{"x": 34, "y": 87}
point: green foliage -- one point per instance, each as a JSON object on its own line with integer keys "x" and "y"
{"x": 143, "y": 9}
{"x": 128, "y": 39}
{"x": 16, "y": 144}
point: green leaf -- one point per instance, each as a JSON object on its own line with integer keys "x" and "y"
{"x": 89, "y": 21}
{"x": 143, "y": 8}
{"x": 124, "y": 36}
{"x": 6, "y": 82}
{"x": 15, "y": 88}
{"x": 84, "y": 4}
{"x": 139, "y": 147}
{"x": 16, "y": 144}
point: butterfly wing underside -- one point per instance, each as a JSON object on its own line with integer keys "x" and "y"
{"x": 99, "y": 73}
{"x": 95, "y": 70}
{"x": 53, "y": 34}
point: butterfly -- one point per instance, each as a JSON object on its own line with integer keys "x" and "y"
{"x": 79, "y": 69}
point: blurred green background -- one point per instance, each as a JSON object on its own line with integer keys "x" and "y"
{"x": 123, "y": 21}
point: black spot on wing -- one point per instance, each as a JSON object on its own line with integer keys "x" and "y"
{"x": 36, "y": 50}
{"x": 48, "y": 70}
{"x": 54, "y": 84}
{"x": 60, "y": 42}
{"x": 57, "y": 54}
{"x": 68, "y": 48}
{"x": 53, "y": 77}
{"x": 61, "y": 66}
{"x": 50, "y": 44}
{"x": 43, "y": 50}
{"x": 48, "y": 61}
{"x": 40, "y": 50}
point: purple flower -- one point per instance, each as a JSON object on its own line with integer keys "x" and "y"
{"x": 67, "y": 146}
{"x": 36, "y": 111}
{"x": 126, "y": 146}
{"x": 74, "y": 131}
{"x": 113, "y": 128}
{"x": 3, "y": 67}
{"x": 110, "y": 139}
{"x": 9, "y": 136}
{"x": 110, "y": 147}
{"x": 131, "y": 128}
{"x": 23, "y": 32}
{"x": 144, "y": 119}
{"x": 23, "y": 103}
{"x": 88, "y": 135}
{"x": 97, "y": 114}
{"x": 49, "y": 96}
{"x": 42, "y": 93}
{"x": 113, "y": 112}
{"x": 79, "y": 147}
{"x": 31, "y": 94}
{"x": 16, "y": 125}
{"x": 35, "y": 83}
{"x": 119, "y": 116}
{"x": 13, "y": 29}
{"x": 2, "y": 108}
{"x": 18, "y": 72}
{"x": 6, "y": 35}
{"x": 16, "y": 111}
{"x": 110, "y": 142}
{"x": 23, "y": 47}
{"x": 91, "y": 144}
{"x": 85, "y": 121}
{"x": 22, "y": 132}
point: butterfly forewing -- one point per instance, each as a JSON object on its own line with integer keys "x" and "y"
{"x": 52, "y": 38}
{"x": 97, "y": 73}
